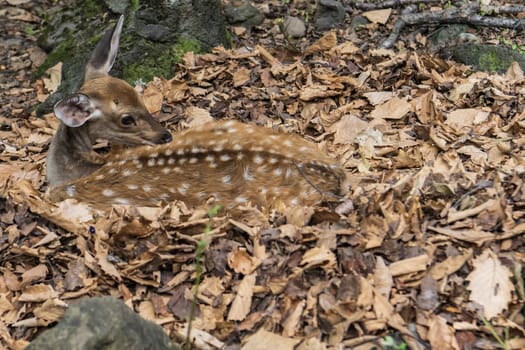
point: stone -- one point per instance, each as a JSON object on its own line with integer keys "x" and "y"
{"x": 294, "y": 27}
{"x": 102, "y": 324}
{"x": 329, "y": 14}
{"x": 243, "y": 13}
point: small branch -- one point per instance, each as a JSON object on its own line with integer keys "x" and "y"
{"x": 468, "y": 14}
{"x": 393, "y": 4}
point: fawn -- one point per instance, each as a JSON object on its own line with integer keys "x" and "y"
{"x": 227, "y": 161}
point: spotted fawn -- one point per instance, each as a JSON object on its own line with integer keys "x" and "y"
{"x": 229, "y": 162}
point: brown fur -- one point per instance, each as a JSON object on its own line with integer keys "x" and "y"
{"x": 229, "y": 161}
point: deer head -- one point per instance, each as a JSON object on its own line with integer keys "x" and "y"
{"x": 105, "y": 108}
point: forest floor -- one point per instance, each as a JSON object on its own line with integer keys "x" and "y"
{"x": 425, "y": 250}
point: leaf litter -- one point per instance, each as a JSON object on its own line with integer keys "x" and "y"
{"x": 427, "y": 244}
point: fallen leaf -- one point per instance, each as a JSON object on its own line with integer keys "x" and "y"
{"x": 490, "y": 284}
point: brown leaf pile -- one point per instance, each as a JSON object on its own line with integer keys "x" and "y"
{"x": 427, "y": 245}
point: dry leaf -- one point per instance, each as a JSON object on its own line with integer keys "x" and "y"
{"x": 395, "y": 108}
{"x": 490, "y": 284}
{"x": 243, "y": 300}
{"x": 378, "y": 16}
{"x": 264, "y": 340}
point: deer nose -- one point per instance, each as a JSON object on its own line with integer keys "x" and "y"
{"x": 166, "y": 137}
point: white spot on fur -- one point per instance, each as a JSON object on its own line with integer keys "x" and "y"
{"x": 209, "y": 158}
{"x": 70, "y": 190}
{"x": 100, "y": 177}
{"x": 177, "y": 170}
{"x": 112, "y": 171}
{"x": 240, "y": 156}
{"x": 237, "y": 147}
{"x": 225, "y": 157}
{"x": 287, "y": 143}
{"x": 107, "y": 192}
{"x": 161, "y": 161}
{"x": 213, "y": 165}
{"x": 194, "y": 160}
{"x": 122, "y": 162}
{"x": 247, "y": 174}
{"x": 258, "y": 159}
{"x": 304, "y": 149}
{"x": 151, "y": 162}
{"x": 273, "y": 160}
{"x": 257, "y": 149}
{"x": 147, "y": 188}
{"x": 278, "y": 171}
{"x": 182, "y": 160}
{"x": 168, "y": 152}
{"x": 171, "y": 161}
{"x": 227, "y": 179}
{"x": 212, "y": 142}
{"x": 183, "y": 188}
{"x": 122, "y": 201}
{"x": 229, "y": 124}
{"x": 288, "y": 173}
{"x": 180, "y": 151}
{"x": 264, "y": 190}
{"x": 218, "y": 148}
{"x": 132, "y": 187}
{"x": 196, "y": 150}
{"x": 166, "y": 170}
{"x": 154, "y": 155}
{"x": 294, "y": 201}
{"x": 127, "y": 172}
{"x": 241, "y": 199}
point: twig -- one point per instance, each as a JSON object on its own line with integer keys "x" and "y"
{"x": 467, "y": 14}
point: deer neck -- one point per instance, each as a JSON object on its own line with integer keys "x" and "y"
{"x": 71, "y": 155}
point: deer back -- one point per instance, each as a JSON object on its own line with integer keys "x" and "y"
{"x": 230, "y": 162}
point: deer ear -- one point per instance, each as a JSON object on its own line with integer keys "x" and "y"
{"x": 104, "y": 55}
{"x": 75, "y": 110}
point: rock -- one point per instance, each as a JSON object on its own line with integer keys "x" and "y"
{"x": 456, "y": 42}
{"x": 358, "y": 22}
{"x": 294, "y": 27}
{"x": 155, "y": 32}
{"x": 102, "y": 324}
{"x": 117, "y": 6}
{"x": 242, "y": 13}
{"x": 154, "y": 38}
{"x": 329, "y": 14}
{"x": 491, "y": 58}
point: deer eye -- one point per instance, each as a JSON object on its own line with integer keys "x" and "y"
{"x": 127, "y": 120}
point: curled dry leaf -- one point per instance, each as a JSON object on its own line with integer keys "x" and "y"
{"x": 241, "y": 262}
